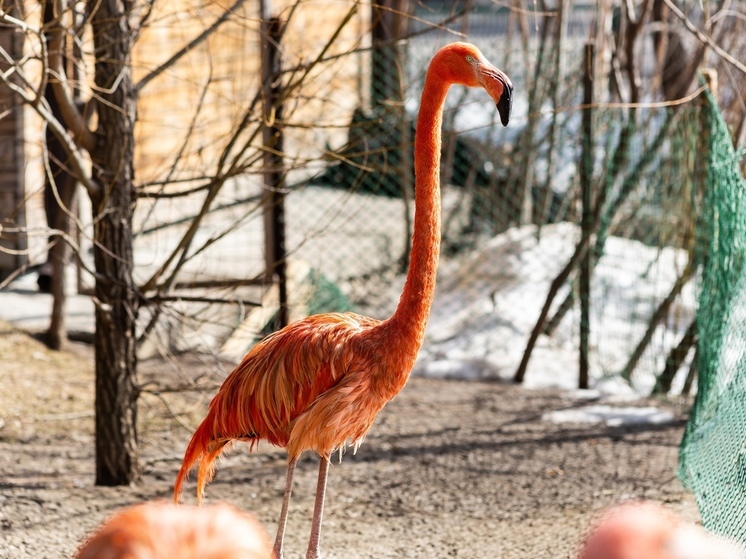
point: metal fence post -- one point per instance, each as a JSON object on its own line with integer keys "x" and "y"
{"x": 586, "y": 179}
{"x": 273, "y": 161}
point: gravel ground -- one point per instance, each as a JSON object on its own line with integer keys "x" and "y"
{"x": 450, "y": 469}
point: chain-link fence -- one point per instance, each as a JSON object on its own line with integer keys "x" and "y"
{"x": 512, "y": 205}
{"x": 647, "y": 225}
{"x": 586, "y": 234}
{"x": 521, "y": 230}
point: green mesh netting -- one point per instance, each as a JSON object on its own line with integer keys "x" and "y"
{"x": 713, "y": 451}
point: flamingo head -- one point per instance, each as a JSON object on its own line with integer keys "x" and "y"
{"x": 464, "y": 64}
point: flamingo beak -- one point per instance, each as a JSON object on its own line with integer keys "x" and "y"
{"x": 500, "y": 88}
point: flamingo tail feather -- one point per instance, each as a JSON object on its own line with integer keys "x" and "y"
{"x": 205, "y": 448}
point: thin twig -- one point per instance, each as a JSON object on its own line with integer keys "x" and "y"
{"x": 702, "y": 36}
{"x": 176, "y": 417}
{"x": 64, "y": 416}
{"x": 73, "y": 118}
{"x": 189, "y": 46}
{"x": 156, "y": 299}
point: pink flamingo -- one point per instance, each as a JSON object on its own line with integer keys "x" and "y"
{"x": 319, "y": 383}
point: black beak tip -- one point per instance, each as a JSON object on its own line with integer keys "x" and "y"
{"x": 504, "y": 105}
{"x": 504, "y": 115}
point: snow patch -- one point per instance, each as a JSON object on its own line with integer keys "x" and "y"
{"x": 610, "y": 415}
{"x": 488, "y": 301}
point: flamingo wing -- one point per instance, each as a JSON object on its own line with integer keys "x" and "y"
{"x": 282, "y": 376}
{"x": 276, "y": 383}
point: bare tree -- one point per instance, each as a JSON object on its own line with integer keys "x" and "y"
{"x": 60, "y": 190}
{"x": 102, "y": 159}
{"x": 111, "y": 190}
{"x": 199, "y": 172}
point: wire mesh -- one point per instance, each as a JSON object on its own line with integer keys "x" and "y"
{"x": 665, "y": 248}
{"x": 510, "y": 204}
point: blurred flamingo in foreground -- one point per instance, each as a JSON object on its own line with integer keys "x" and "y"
{"x": 647, "y": 530}
{"x": 319, "y": 383}
{"x": 164, "y": 531}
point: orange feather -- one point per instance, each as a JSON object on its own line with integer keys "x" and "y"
{"x": 301, "y": 388}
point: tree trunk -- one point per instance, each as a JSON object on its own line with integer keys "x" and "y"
{"x": 59, "y": 256}
{"x": 115, "y": 294}
{"x": 60, "y": 188}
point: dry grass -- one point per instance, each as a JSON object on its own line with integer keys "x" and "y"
{"x": 42, "y": 390}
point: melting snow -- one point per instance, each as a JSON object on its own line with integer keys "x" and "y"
{"x": 610, "y": 415}
{"x": 488, "y": 301}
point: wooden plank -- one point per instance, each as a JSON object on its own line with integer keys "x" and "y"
{"x": 7, "y": 200}
{"x": 7, "y": 261}
{"x": 12, "y": 158}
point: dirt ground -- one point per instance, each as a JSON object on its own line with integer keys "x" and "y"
{"x": 450, "y": 469}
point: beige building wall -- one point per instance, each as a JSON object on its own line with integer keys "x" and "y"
{"x": 193, "y": 108}
{"x": 188, "y": 113}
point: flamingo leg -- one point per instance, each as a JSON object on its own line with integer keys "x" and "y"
{"x": 277, "y": 549}
{"x": 318, "y": 509}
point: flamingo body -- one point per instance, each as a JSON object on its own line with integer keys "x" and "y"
{"x": 164, "y": 531}
{"x": 314, "y": 385}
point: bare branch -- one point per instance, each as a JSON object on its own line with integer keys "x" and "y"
{"x": 175, "y": 416}
{"x": 73, "y": 118}
{"x": 186, "y": 240}
{"x": 702, "y": 36}
{"x": 22, "y": 25}
{"x": 190, "y": 46}
{"x": 320, "y": 57}
{"x": 210, "y": 181}
{"x": 634, "y": 25}
{"x": 42, "y": 109}
{"x": 157, "y": 299}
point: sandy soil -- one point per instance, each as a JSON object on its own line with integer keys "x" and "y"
{"x": 450, "y": 469}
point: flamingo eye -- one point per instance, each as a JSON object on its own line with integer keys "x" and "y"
{"x": 470, "y": 59}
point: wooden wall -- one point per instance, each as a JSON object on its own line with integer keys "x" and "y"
{"x": 202, "y": 96}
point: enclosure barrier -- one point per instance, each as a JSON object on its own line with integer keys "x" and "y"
{"x": 713, "y": 451}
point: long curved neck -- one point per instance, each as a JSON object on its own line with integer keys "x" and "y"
{"x": 410, "y": 318}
